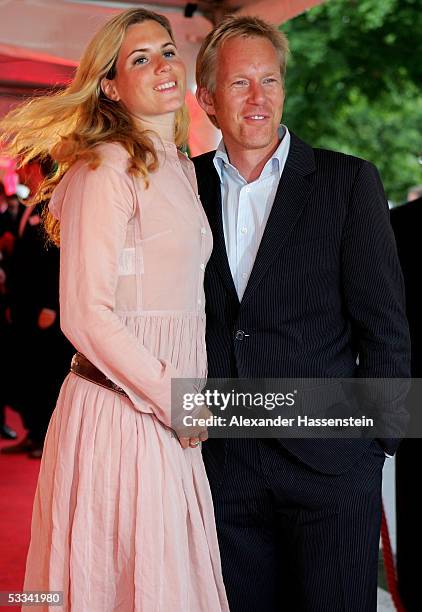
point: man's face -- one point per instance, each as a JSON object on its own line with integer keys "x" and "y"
{"x": 249, "y": 95}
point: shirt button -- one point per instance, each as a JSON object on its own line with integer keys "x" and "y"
{"x": 244, "y": 275}
{"x": 247, "y": 189}
{"x": 203, "y": 231}
{"x": 239, "y": 335}
{"x": 244, "y": 230}
{"x": 199, "y": 302}
{"x": 202, "y": 266}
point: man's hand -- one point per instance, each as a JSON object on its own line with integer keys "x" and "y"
{"x": 46, "y": 318}
{"x": 2, "y": 281}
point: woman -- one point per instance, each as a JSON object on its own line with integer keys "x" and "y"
{"x": 123, "y": 517}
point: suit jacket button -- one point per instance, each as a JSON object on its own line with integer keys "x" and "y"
{"x": 239, "y": 335}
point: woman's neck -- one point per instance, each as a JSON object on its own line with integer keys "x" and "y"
{"x": 163, "y": 125}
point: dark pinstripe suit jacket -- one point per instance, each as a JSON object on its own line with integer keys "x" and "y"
{"x": 326, "y": 286}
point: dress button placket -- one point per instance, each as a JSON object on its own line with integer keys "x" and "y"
{"x": 201, "y": 267}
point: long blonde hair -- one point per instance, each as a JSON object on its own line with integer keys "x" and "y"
{"x": 67, "y": 125}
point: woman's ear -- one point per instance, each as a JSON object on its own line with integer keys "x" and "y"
{"x": 109, "y": 89}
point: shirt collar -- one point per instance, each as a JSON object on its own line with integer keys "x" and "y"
{"x": 275, "y": 163}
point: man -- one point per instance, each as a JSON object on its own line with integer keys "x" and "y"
{"x": 33, "y": 284}
{"x": 407, "y": 221}
{"x": 303, "y": 279}
{"x": 6, "y": 247}
{"x": 414, "y": 193}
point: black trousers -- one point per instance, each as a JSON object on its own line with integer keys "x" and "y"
{"x": 409, "y": 529}
{"x": 41, "y": 361}
{"x": 292, "y": 538}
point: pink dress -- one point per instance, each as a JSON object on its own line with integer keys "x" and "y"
{"x": 123, "y": 517}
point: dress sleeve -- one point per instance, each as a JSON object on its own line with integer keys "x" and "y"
{"x": 96, "y": 208}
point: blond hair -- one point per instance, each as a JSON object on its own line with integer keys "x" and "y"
{"x": 234, "y": 27}
{"x": 67, "y": 125}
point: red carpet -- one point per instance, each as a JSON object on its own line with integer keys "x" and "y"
{"x": 18, "y": 479}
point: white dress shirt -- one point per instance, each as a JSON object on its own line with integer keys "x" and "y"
{"x": 246, "y": 207}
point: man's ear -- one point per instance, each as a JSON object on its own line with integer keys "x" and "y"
{"x": 109, "y": 89}
{"x": 205, "y": 100}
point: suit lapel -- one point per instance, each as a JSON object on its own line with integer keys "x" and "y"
{"x": 292, "y": 194}
{"x": 211, "y": 200}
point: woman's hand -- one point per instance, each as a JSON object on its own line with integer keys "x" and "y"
{"x": 191, "y": 436}
{"x": 194, "y": 441}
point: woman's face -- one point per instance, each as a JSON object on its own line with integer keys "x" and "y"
{"x": 150, "y": 76}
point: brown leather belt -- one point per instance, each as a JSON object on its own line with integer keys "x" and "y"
{"x": 82, "y": 367}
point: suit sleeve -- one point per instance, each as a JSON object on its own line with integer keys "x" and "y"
{"x": 96, "y": 209}
{"x": 374, "y": 296}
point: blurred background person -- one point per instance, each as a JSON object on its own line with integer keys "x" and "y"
{"x": 6, "y": 248}
{"x": 407, "y": 222}
{"x": 33, "y": 301}
{"x": 414, "y": 193}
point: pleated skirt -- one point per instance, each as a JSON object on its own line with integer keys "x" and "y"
{"x": 123, "y": 516}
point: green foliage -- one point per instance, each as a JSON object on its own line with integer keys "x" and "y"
{"x": 354, "y": 84}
